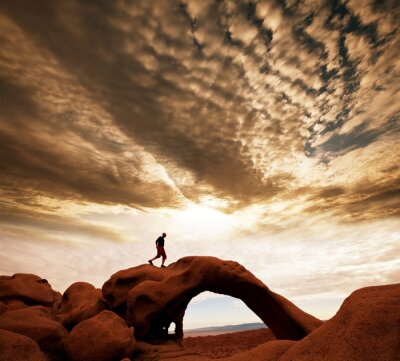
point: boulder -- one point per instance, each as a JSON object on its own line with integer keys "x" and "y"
{"x": 79, "y": 302}
{"x": 16, "y": 347}
{"x": 28, "y": 288}
{"x": 38, "y": 323}
{"x": 154, "y": 298}
{"x": 103, "y": 337}
{"x": 366, "y": 327}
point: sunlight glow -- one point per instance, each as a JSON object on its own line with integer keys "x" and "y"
{"x": 202, "y": 220}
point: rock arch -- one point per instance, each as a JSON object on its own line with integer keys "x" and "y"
{"x": 151, "y": 298}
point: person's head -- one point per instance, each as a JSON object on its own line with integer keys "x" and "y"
{"x": 164, "y": 235}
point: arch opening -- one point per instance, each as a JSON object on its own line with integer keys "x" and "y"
{"x": 212, "y": 313}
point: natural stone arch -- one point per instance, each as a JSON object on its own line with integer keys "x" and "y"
{"x": 152, "y": 298}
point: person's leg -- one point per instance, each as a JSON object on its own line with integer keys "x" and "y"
{"x": 151, "y": 260}
{"x": 164, "y": 257}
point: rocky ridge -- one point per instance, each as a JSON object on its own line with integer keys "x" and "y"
{"x": 129, "y": 317}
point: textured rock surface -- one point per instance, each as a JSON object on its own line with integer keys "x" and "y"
{"x": 79, "y": 302}
{"x": 30, "y": 289}
{"x": 3, "y": 308}
{"x": 15, "y": 305}
{"x": 366, "y": 327}
{"x": 103, "y": 337}
{"x": 57, "y": 297}
{"x": 16, "y": 347}
{"x": 270, "y": 351}
{"x": 38, "y": 323}
{"x": 156, "y": 297}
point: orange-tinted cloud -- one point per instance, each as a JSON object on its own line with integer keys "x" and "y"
{"x": 231, "y": 99}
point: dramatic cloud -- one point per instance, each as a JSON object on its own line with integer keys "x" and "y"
{"x": 241, "y": 119}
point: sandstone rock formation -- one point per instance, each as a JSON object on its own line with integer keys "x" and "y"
{"x": 15, "y": 305}
{"x": 38, "y": 323}
{"x": 270, "y": 351}
{"x": 28, "y": 288}
{"x": 16, "y": 347}
{"x": 3, "y": 308}
{"x": 79, "y": 302}
{"x": 104, "y": 337}
{"x": 366, "y": 327}
{"x": 156, "y": 297}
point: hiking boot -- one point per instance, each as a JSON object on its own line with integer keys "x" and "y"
{"x": 151, "y": 262}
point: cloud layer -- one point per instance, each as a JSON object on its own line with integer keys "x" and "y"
{"x": 231, "y": 98}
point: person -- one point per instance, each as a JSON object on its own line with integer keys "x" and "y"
{"x": 160, "y": 250}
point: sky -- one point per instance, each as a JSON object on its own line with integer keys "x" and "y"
{"x": 265, "y": 132}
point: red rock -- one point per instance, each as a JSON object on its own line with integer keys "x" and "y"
{"x": 57, "y": 297}
{"x": 156, "y": 297}
{"x": 115, "y": 290}
{"x": 79, "y": 302}
{"x": 269, "y": 351}
{"x": 27, "y": 288}
{"x": 227, "y": 344}
{"x": 103, "y": 337}
{"x": 38, "y": 323}
{"x": 15, "y": 305}
{"x": 3, "y": 308}
{"x": 16, "y": 347}
{"x": 366, "y": 327}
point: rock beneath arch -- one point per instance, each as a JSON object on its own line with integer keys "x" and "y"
{"x": 366, "y": 327}
{"x": 27, "y": 288}
{"x": 155, "y": 297}
{"x": 16, "y": 347}
{"x": 79, "y": 302}
{"x": 38, "y": 323}
{"x": 103, "y": 337}
{"x": 269, "y": 351}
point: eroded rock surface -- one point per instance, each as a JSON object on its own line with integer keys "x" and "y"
{"x": 28, "y": 288}
{"x": 16, "y": 347}
{"x": 3, "y": 307}
{"x": 103, "y": 337}
{"x": 366, "y": 327}
{"x": 38, "y": 323}
{"x": 156, "y": 297}
{"x": 79, "y": 302}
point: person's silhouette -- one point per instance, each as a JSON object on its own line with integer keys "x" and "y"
{"x": 160, "y": 250}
